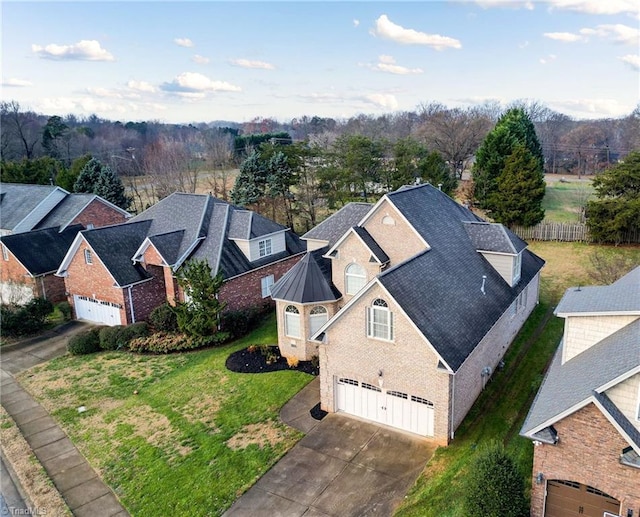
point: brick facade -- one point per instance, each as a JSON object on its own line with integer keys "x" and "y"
{"x": 587, "y": 452}
{"x": 245, "y": 290}
{"x": 98, "y": 213}
{"x": 13, "y": 273}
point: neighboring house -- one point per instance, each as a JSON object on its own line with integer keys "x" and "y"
{"x": 33, "y": 207}
{"x": 410, "y": 308}
{"x": 119, "y": 274}
{"x": 585, "y": 419}
{"x": 37, "y": 225}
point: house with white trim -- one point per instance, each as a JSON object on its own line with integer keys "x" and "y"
{"x": 410, "y": 308}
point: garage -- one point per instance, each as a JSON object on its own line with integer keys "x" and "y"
{"x": 98, "y": 311}
{"x": 389, "y": 407}
{"x": 567, "y": 498}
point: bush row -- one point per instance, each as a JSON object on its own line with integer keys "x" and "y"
{"x": 106, "y": 338}
{"x": 25, "y": 319}
{"x": 164, "y": 342}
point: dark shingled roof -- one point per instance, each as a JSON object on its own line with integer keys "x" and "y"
{"x": 308, "y": 281}
{"x": 66, "y": 210}
{"x": 494, "y": 237}
{"x": 440, "y": 289}
{"x": 570, "y": 384}
{"x": 336, "y": 225}
{"x": 168, "y": 245}
{"x": 371, "y": 243}
{"x": 18, "y": 201}
{"x": 41, "y": 251}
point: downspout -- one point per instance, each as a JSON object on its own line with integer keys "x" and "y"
{"x": 453, "y": 404}
{"x": 133, "y": 316}
{"x": 44, "y": 293}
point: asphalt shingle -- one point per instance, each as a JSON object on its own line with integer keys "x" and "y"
{"x": 337, "y": 224}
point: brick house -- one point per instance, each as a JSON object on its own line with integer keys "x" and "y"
{"x": 410, "y": 308}
{"x": 585, "y": 419}
{"x": 37, "y": 226}
{"x": 119, "y": 274}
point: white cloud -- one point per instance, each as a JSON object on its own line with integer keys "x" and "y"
{"x": 617, "y": 33}
{"x": 633, "y": 60}
{"x": 246, "y": 63}
{"x": 356, "y": 23}
{"x": 14, "y": 81}
{"x": 201, "y": 60}
{"x": 84, "y": 50}
{"x": 141, "y": 86}
{"x": 388, "y": 65}
{"x": 567, "y": 37}
{"x": 383, "y": 100}
{"x": 183, "y": 42}
{"x": 90, "y": 105}
{"x": 386, "y": 29}
{"x": 548, "y": 59}
{"x": 591, "y": 108}
{"x": 192, "y": 85}
{"x": 112, "y": 93}
{"x": 486, "y": 4}
{"x": 597, "y": 6}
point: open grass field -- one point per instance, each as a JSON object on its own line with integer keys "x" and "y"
{"x": 171, "y": 434}
{"x": 564, "y": 201}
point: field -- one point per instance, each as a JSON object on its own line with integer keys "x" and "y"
{"x": 565, "y": 199}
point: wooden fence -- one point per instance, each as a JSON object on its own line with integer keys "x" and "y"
{"x": 566, "y": 232}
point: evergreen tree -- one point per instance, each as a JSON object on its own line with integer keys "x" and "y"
{"x": 99, "y": 179}
{"x": 494, "y": 486}
{"x": 518, "y": 200}
{"x": 39, "y": 171}
{"x": 512, "y": 129}
{"x": 617, "y": 209}
{"x": 434, "y": 169}
{"x": 249, "y": 187}
{"x": 68, "y": 177}
{"x": 407, "y": 155}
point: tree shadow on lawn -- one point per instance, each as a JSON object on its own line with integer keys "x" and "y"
{"x": 254, "y": 361}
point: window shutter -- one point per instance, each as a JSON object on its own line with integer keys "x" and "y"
{"x": 390, "y": 326}
{"x": 369, "y": 321}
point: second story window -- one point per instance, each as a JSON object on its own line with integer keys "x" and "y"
{"x": 264, "y": 247}
{"x": 355, "y": 278}
{"x": 380, "y": 320}
{"x": 87, "y": 257}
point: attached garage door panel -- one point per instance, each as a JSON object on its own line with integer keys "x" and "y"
{"x": 98, "y": 311}
{"x": 568, "y": 499}
{"x": 389, "y": 407}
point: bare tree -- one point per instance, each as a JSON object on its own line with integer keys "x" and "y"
{"x": 21, "y": 131}
{"x": 220, "y": 158}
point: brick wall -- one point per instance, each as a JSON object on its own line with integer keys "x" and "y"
{"x": 99, "y": 214}
{"x": 13, "y": 272}
{"x": 468, "y": 379}
{"x": 146, "y": 296}
{"x": 351, "y": 250}
{"x": 245, "y": 290}
{"x": 54, "y": 288}
{"x": 408, "y": 363}
{"x": 587, "y": 452}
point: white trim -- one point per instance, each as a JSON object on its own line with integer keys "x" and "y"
{"x": 62, "y": 270}
{"x": 497, "y": 253}
{"x": 186, "y": 254}
{"x": 16, "y": 227}
{"x": 615, "y": 424}
{"x": 268, "y": 286}
{"x": 600, "y": 313}
{"x": 223, "y": 235}
{"x": 144, "y": 247}
{"x": 618, "y": 380}
{"x": 266, "y": 265}
{"x": 288, "y": 315}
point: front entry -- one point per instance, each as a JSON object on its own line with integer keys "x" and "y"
{"x": 393, "y": 408}
{"x": 569, "y": 499}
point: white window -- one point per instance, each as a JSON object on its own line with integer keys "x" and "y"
{"x": 264, "y": 247}
{"x": 638, "y": 413}
{"x": 517, "y": 266}
{"x": 317, "y": 317}
{"x": 87, "y": 257}
{"x": 266, "y": 283}
{"x": 355, "y": 278}
{"x": 380, "y": 320}
{"x": 5, "y": 253}
{"x": 291, "y": 321}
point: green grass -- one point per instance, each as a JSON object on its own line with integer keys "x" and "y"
{"x": 169, "y": 448}
{"x": 563, "y": 202}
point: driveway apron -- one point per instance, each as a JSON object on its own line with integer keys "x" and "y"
{"x": 343, "y": 467}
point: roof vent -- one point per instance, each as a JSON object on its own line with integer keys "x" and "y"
{"x": 484, "y": 281}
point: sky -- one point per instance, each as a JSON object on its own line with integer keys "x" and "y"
{"x": 189, "y": 62}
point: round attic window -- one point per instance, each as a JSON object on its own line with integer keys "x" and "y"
{"x": 388, "y": 220}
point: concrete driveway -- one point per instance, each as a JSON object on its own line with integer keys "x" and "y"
{"x": 343, "y": 467}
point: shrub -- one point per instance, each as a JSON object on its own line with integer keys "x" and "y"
{"x": 163, "y": 318}
{"x": 292, "y": 362}
{"x": 26, "y": 319}
{"x": 494, "y": 486}
{"x": 119, "y": 336}
{"x": 165, "y": 342}
{"x": 86, "y": 342}
{"x": 65, "y": 310}
{"x": 239, "y": 323}
{"x": 270, "y": 353}
{"x": 109, "y": 337}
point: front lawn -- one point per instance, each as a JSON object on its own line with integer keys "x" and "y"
{"x": 172, "y": 434}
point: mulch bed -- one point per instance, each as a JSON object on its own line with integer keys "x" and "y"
{"x": 244, "y": 361}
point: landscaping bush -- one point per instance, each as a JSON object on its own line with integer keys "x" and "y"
{"x": 495, "y": 486}
{"x": 163, "y": 318}
{"x": 86, "y": 342}
{"x": 165, "y": 342}
{"x": 26, "y": 319}
{"x": 65, "y": 310}
{"x": 239, "y": 323}
{"x": 119, "y": 336}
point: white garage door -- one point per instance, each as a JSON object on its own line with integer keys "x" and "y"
{"x": 394, "y": 408}
{"x": 98, "y": 311}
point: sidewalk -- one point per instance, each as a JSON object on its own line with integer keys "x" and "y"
{"x": 82, "y": 489}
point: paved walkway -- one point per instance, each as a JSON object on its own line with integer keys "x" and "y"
{"x": 82, "y": 489}
{"x": 343, "y": 467}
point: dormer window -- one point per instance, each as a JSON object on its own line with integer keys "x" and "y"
{"x": 264, "y": 247}
{"x": 517, "y": 267}
{"x": 355, "y": 278}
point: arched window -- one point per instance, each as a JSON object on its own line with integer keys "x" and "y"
{"x": 317, "y": 317}
{"x": 380, "y": 320}
{"x": 292, "y": 321}
{"x": 355, "y": 278}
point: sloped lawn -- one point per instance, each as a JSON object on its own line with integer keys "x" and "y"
{"x": 172, "y": 434}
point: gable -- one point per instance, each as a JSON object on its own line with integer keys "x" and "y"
{"x": 626, "y": 396}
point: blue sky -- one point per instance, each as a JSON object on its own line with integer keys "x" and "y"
{"x": 202, "y": 61}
